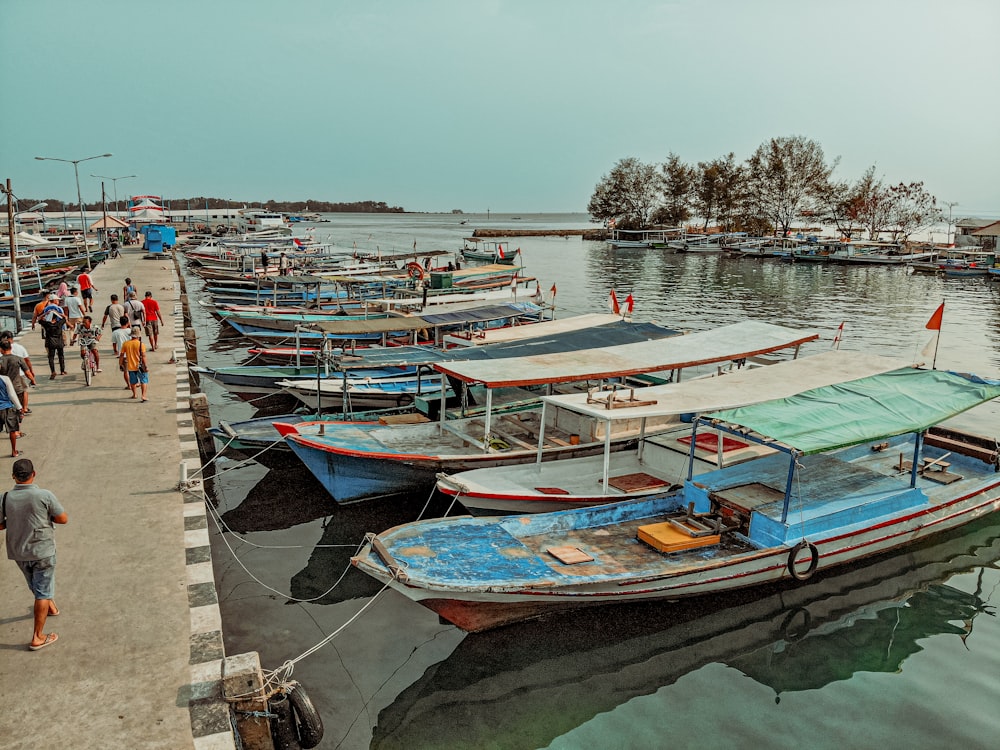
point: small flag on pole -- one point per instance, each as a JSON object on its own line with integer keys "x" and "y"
{"x": 500, "y": 253}
{"x": 629, "y": 305}
{"x": 839, "y": 337}
{"x": 934, "y": 324}
{"x": 553, "y": 290}
{"x": 613, "y": 303}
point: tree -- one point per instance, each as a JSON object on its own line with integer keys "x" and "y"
{"x": 913, "y": 209}
{"x": 717, "y": 191}
{"x": 785, "y": 177}
{"x": 627, "y": 194}
{"x": 677, "y": 183}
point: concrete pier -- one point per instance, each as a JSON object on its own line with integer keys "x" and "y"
{"x": 138, "y": 660}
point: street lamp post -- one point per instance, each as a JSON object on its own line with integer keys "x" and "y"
{"x": 950, "y": 205}
{"x": 114, "y": 183}
{"x": 79, "y": 198}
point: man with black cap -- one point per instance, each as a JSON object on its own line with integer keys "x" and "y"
{"x": 28, "y": 513}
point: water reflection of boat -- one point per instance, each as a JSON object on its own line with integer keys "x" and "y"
{"x": 525, "y": 685}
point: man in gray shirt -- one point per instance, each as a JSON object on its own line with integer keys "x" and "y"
{"x": 28, "y": 513}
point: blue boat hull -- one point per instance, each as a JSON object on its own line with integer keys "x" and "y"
{"x": 361, "y": 478}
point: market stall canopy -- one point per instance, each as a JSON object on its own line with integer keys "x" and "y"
{"x": 109, "y": 222}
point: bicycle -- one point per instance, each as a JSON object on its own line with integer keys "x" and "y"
{"x": 88, "y": 364}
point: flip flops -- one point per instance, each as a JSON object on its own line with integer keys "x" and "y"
{"x": 49, "y": 640}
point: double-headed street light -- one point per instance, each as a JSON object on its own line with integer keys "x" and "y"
{"x": 79, "y": 198}
{"x": 114, "y": 181}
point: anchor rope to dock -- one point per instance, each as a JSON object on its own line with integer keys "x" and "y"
{"x": 224, "y": 527}
{"x": 238, "y": 464}
{"x": 275, "y": 678}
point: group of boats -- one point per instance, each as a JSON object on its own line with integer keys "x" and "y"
{"x": 602, "y": 460}
{"x": 950, "y": 261}
{"x": 41, "y": 264}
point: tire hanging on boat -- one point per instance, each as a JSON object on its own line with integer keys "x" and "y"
{"x": 415, "y": 271}
{"x": 307, "y": 718}
{"x": 806, "y": 574}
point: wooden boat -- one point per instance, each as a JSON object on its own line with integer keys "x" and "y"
{"x": 788, "y": 639}
{"x": 356, "y": 462}
{"x": 860, "y": 469}
{"x": 479, "y": 251}
{"x": 659, "y": 459}
{"x": 361, "y": 393}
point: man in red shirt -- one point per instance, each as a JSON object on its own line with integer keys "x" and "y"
{"x": 87, "y": 290}
{"x": 153, "y": 319}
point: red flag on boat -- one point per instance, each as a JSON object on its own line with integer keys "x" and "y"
{"x": 513, "y": 283}
{"x": 553, "y": 290}
{"x": 934, "y": 324}
{"x": 500, "y": 252}
{"x": 840, "y": 335}
{"x": 613, "y": 303}
{"x": 629, "y": 305}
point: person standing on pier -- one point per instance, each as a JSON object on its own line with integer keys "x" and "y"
{"x": 28, "y": 513}
{"x": 133, "y": 357}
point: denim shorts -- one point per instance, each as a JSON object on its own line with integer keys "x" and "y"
{"x": 135, "y": 377}
{"x": 40, "y": 575}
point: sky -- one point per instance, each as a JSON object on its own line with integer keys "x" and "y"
{"x": 501, "y": 105}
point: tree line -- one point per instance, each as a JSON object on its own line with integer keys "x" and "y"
{"x": 786, "y": 179}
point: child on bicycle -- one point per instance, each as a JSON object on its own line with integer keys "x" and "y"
{"x": 88, "y": 335}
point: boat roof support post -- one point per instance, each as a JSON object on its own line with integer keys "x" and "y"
{"x": 915, "y": 469}
{"x": 444, "y": 398}
{"x": 607, "y": 456}
{"x": 541, "y": 436}
{"x": 793, "y": 457}
{"x": 642, "y": 438}
{"x": 487, "y": 419}
{"x": 694, "y": 436}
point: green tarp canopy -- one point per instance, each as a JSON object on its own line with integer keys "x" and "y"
{"x": 864, "y": 410}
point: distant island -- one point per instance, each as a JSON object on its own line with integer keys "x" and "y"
{"x": 285, "y": 207}
{"x": 293, "y": 207}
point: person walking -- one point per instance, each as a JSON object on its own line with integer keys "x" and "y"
{"x": 16, "y": 371}
{"x": 153, "y": 320}
{"x": 118, "y": 338}
{"x": 19, "y": 350}
{"x": 133, "y": 357}
{"x": 10, "y": 413}
{"x": 73, "y": 305}
{"x": 284, "y": 264}
{"x": 87, "y": 290}
{"x": 135, "y": 311}
{"x": 113, "y": 313}
{"x": 27, "y": 513}
{"x": 128, "y": 289}
{"x": 52, "y": 334}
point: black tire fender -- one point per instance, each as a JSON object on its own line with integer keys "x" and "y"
{"x": 806, "y": 574}
{"x": 310, "y": 724}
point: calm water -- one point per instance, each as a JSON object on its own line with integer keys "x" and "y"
{"x": 899, "y": 652}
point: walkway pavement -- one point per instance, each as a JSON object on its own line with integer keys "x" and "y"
{"x": 139, "y": 625}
